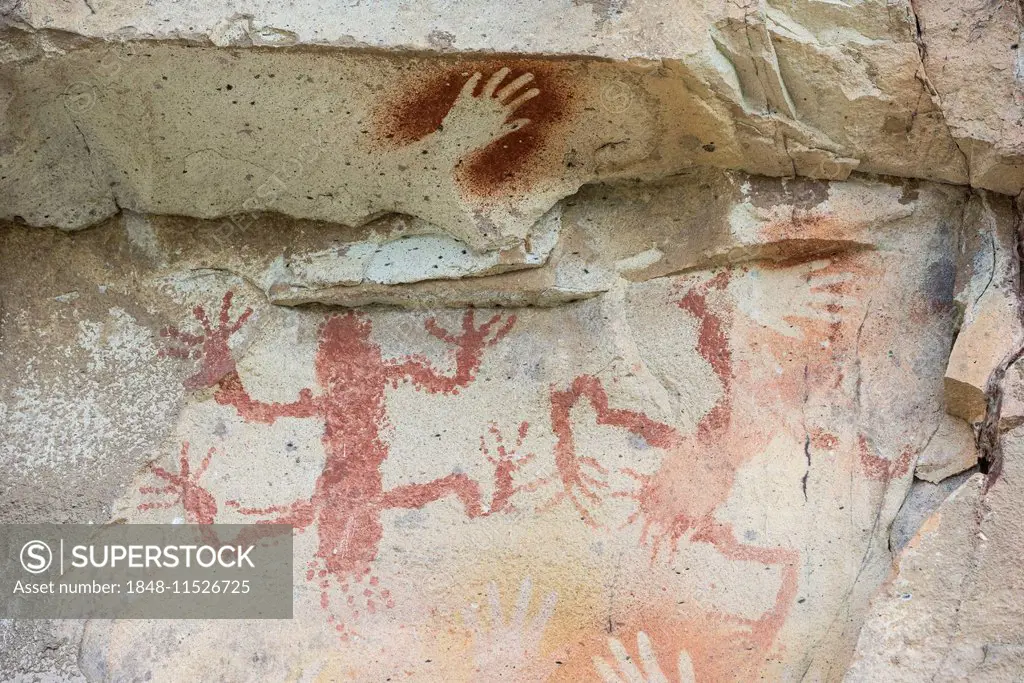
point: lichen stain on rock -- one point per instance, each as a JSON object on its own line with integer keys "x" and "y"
{"x": 510, "y": 164}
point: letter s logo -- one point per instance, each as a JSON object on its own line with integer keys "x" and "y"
{"x": 36, "y": 557}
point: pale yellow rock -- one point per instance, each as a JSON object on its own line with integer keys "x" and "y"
{"x": 987, "y": 291}
{"x": 604, "y": 233}
{"x": 1011, "y": 414}
{"x": 951, "y": 450}
{"x": 770, "y": 357}
{"x": 979, "y": 349}
{"x": 910, "y": 630}
{"x": 952, "y": 610}
{"x": 972, "y": 59}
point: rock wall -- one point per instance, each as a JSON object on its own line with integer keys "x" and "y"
{"x": 579, "y": 341}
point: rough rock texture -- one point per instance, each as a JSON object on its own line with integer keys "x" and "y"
{"x": 682, "y": 433}
{"x": 423, "y": 135}
{"x": 972, "y": 52}
{"x": 578, "y": 340}
{"x": 953, "y": 611}
{"x": 988, "y": 290}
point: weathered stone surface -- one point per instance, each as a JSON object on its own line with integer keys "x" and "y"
{"x": 42, "y": 651}
{"x": 687, "y": 433}
{"x": 911, "y": 631}
{"x": 988, "y": 291}
{"x": 1011, "y": 413}
{"x": 953, "y": 610}
{"x": 951, "y": 450}
{"x": 923, "y": 499}
{"x": 153, "y": 126}
{"x": 972, "y": 60}
{"x": 287, "y": 260}
{"x": 578, "y": 339}
{"x": 604, "y": 233}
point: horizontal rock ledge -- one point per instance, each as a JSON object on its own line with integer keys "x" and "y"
{"x": 346, "y": 135}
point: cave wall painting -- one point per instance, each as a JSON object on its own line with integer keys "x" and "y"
{"x": 575, "y": 460}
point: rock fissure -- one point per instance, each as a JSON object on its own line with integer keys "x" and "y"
{"x": 989, "y": 437}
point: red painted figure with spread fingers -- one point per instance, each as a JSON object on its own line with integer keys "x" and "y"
{"x": 349, "y": 497}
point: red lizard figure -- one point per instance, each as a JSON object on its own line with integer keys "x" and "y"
{"x": 349, "y": 497}
{"x": 673, "y": 512}
{"x": 666, "y": 510}
{"x": 658, "y": 503}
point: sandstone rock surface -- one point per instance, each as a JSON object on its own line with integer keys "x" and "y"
{"x": 578, "y": 340}
{"x": 952, "y": 611}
